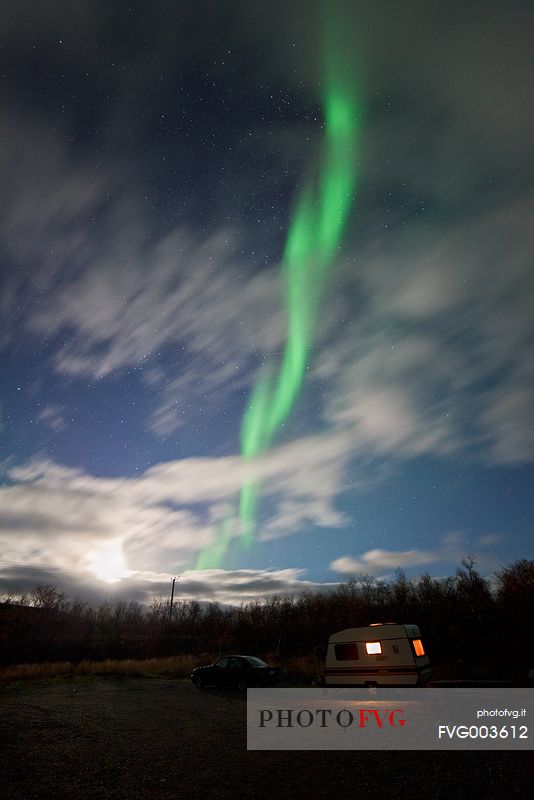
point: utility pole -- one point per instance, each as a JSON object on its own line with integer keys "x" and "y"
{"x": 172, "y": 598}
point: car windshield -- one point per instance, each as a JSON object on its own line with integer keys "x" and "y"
{"x": 256, "y": 662}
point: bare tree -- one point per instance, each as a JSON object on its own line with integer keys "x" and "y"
{"x": 47, "y": 596}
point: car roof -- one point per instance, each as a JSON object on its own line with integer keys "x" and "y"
{"x": 240, "y": 655}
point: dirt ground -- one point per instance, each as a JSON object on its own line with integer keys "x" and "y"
{"x": 126, "y": 738}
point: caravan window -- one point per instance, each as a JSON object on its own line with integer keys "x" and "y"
{"x": 348, "y": 651}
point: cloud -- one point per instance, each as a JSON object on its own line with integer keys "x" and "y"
{"x": 507, "y": 420}
{"x": 489, "y": 539}
{"x": 56, "y": 522}
{"x": 227, "y": 587}
{"x": 234, "y": 586}
{"x": 63, "y": 520}
{"x": 121, "y": 314}
{"x": 450, "y": 550}
{"x": 169, "y": 513}
{"x": 109, "y": 296}
{"x": 379, "y": 560}
{"x": 438, "y": 358}
{"x": 54, "y": 417}
{"x": 391, "y": 393}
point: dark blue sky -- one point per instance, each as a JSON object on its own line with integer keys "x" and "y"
{"x": 151, "y": 159}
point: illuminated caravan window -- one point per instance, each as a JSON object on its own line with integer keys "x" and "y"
{"x": 348, "y": 651}
{"x": 418, "y": 647}
{"x": 373, "y": 648}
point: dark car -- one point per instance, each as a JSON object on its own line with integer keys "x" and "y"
{"x": 237, "y": 672}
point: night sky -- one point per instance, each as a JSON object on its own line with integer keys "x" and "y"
{"x": 154, "y": 159}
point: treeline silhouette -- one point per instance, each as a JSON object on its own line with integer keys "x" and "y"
{"x": 471, "y": 626}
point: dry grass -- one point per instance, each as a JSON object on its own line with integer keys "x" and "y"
{"x": 303, "y": 669}
{"x": 174, "y": 666}
{"x": 300, "y": 669}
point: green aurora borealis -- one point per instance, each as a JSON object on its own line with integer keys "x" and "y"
{"x": 314, "y": 236}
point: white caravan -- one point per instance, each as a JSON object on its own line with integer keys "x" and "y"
{"x": 382, "y": 654}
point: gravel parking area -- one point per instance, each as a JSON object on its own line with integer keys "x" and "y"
{"x": 126, "y": 738}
